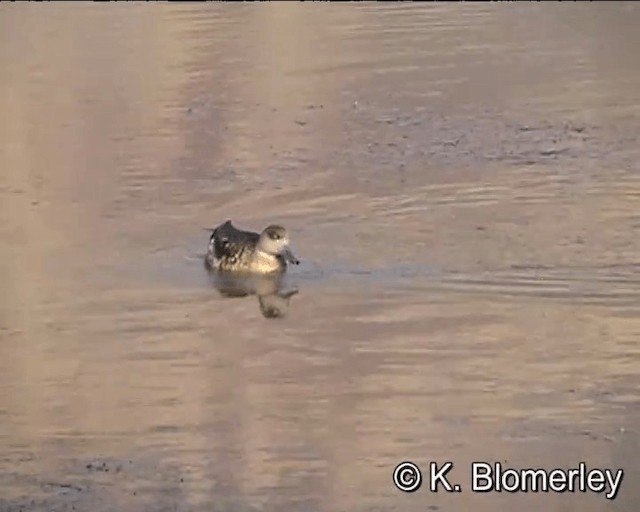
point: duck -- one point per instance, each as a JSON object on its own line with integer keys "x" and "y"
{"x": 244, "y": 252}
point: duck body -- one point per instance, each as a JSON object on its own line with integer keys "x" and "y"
{"x": 238, "y": 251}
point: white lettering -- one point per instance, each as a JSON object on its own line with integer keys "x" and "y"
{"x": 481, "y": 472}
{"x": 614, "y": 484}
{"x": 515, "y": 480}
{"x": 557, "y": 480}
{"x": 438, "y": 476}
{"x": 493, "y": 478}
{"x": 538, "y": 478}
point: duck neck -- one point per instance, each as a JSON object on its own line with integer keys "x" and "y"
{"x": 268, "y": 262}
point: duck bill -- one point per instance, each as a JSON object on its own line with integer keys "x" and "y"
{"x": 290, "y": 257}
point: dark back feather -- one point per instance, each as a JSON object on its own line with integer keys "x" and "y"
{"x": 229, "y": 241}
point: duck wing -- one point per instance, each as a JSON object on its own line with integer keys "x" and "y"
{"x": 228, "y": 241}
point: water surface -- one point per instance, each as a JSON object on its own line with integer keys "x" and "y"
{"x": 460, "y": 181}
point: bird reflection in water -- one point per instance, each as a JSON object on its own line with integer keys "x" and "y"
{"x": 271, "y": 290}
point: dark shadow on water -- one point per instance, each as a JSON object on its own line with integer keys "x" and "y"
{"x": 273, "y": 293}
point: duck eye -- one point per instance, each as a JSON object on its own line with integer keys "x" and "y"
{"x": 275, "y": 236}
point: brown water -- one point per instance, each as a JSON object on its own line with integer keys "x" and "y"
{"x": 462, "y": 183}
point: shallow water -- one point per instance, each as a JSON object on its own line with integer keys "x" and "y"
{"x": 461, "y": 183}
